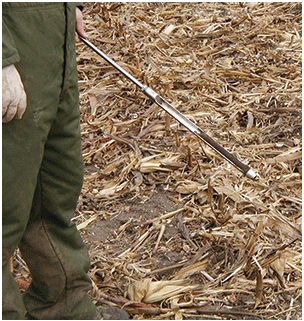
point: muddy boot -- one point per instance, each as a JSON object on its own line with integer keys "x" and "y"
{"x": 110, "y": 312}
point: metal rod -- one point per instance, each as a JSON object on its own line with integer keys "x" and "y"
{"x": 245, "y": 169}
{"x": 112, "y": 62}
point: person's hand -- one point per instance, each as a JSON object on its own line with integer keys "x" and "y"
{"x": 13, "y": 94}
{"x": 79, "y": 24}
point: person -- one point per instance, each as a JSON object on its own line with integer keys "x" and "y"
{"x": 42, "y": 162}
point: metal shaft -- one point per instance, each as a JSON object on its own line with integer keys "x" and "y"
{"x": 112, "y": 62}
{"x": 245, "y": 169}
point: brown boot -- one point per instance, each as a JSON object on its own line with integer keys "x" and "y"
{"x": 110, "y": 312}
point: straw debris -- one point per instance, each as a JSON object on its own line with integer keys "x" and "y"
{"x": 169, "y": 222}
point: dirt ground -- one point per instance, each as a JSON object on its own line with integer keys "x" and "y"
{"x": 138, "y": 213}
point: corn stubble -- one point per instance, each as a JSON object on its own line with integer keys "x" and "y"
{"x": 235, "y": 70}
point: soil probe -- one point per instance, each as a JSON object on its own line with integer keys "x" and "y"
{"x": 161, "y": 102}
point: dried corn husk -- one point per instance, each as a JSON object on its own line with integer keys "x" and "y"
{"x": 149, "y": 291}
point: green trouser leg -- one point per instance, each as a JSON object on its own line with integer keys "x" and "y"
{"x": 59, "y": 266}
{"x": 42, "y": 174}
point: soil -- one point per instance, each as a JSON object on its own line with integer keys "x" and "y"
{"x": 138, "y": 210}
{"x": 137, "y": 214}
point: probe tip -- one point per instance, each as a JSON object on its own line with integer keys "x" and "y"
{"x": 252, "y": 175}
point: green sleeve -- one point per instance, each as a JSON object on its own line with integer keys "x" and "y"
{"x": 9, "y": 51}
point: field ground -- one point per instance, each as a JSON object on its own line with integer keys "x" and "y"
{"x": 170, "y": 225}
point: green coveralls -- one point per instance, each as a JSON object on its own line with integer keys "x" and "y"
{"x": 42, "y": 166}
